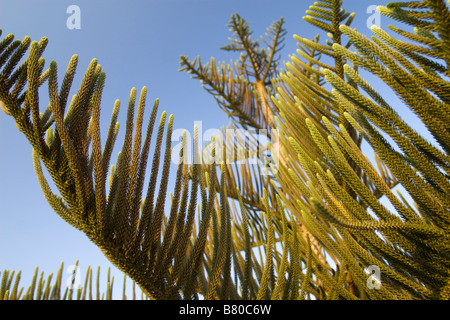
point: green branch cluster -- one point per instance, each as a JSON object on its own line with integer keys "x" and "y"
{"x": 312, "y": 228}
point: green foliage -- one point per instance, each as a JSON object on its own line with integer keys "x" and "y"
{"x": 168, "y": 256}
{"x": 52, "y": 289}
{"x": 241, "y": 88}
{"x": 409, "y": 245}
{"x": 309, "y": 231}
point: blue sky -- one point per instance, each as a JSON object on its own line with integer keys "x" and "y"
{"x": 138, "y": 43}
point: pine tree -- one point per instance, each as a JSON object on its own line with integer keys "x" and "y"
{"x": 315, "y": 222}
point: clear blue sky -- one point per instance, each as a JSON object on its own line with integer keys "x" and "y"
{"x": 138, "y": 43}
